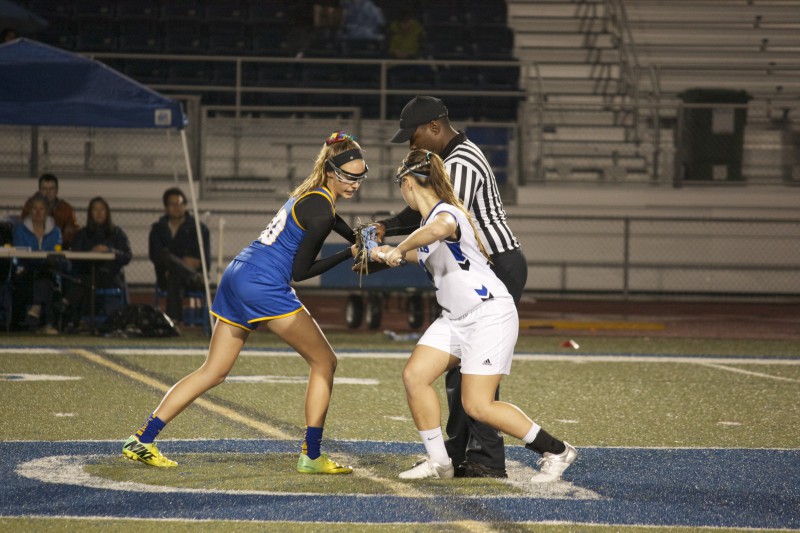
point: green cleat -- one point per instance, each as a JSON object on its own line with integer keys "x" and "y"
{"x": 147, "y": 453}
{"x": 321, "y": 465}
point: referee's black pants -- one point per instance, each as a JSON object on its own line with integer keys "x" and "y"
{"x": 469, "y": 439}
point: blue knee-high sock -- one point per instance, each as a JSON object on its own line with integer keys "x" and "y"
{"x": 312, "y": 443}
{"x": 150, "y": 429}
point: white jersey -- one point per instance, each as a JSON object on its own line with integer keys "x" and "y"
{"x": 457, "y": 268}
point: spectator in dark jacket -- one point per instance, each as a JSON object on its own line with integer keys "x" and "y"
{"x": 175, "y": 252}
{"x": 99, "y": 235}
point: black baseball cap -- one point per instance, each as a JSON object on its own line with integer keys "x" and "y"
{"x": 419, "y": 111}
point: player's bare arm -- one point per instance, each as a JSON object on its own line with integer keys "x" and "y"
{"x": 443, "y": 226}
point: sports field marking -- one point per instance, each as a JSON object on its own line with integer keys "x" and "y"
{"x": 398, "y": 488}
{"x": 297, "y": 380}
{"x": 37, "y": 377}
{"x": 591, "y": 325}
{"x": 477, "y": 527}
{"x": 689, "y": 488}
{"x": 519, "y": 475}
{"x": 575, "y": 358}
{"x": 70, "y": 470}
{"x": 266, "y": 429}
{"x": 749, "y": 372}
{"x": 25, "y": 350}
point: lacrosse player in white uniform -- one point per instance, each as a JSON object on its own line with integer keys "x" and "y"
{"x": 477, "y": 330}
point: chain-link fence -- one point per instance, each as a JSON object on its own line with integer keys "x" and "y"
{"x": 90, "y": 152}
{"x": 662, "y": 256}
{"x": 617, "y": 256}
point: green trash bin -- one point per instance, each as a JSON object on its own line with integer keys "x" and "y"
{"x": 709, "y": 140}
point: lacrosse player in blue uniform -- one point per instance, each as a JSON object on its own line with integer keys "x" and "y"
{"x": 256, "y": 288}
{"x": 477, "y": 330}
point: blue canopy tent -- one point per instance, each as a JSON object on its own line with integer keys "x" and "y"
{"x": 45, "y": 86}
{"x": 19, "y": 19}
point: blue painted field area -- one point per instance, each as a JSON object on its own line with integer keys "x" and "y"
{"x": 636, "y": 486}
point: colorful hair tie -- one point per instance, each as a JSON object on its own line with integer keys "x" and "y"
{"x": 337, "y": 137}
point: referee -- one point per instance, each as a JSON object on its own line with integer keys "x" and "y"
{"x": 476, "y": 449}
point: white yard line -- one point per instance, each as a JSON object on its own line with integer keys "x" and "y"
{"x": 517, "y": 357}
{"x": 266, "y": 429}
{"x": 37, "y": 377}
{"x": 70, "y": 470}
{"x": 748, "y": 372}
{"x": 25, "y": 350}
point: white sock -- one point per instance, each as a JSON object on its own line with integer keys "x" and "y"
{"x": 531, "y": 435}
{"x": 434, "y": 445}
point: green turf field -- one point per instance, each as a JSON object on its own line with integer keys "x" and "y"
{"x": 674, "y": 401}
{"x": 649, "y": 403}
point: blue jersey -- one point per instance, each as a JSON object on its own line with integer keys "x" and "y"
{"x": 276, "y": 247}
{"x": 255, "y": 286}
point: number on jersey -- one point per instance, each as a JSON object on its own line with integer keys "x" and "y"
{"x": 274, "y": 228}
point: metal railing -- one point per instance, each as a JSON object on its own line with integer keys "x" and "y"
{"x": 628, "y": 58}
{"x": 554, "y": 143}
{"x": 241, "y": 86}
{"x": 616, "y": 255}
{"x": 577, "y": 145}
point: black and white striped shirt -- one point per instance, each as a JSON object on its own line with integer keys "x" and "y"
{"x": 475, "y": 185}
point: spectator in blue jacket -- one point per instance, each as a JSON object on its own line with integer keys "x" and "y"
{"x": 34, "y": 278}
{"x": 175, "y": 252}
{"x": 362, "y": 20}
{"x": 99, "y": 235}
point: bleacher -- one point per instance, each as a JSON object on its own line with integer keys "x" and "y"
{"x": 148, "y": 37}
{"x": 753, "y": 46}
{"x": 586, "y": 124}
{"x": 598, "y": 80}
{"x": 610, "y": 73}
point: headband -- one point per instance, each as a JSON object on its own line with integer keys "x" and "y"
{"x": 346, "y": 156}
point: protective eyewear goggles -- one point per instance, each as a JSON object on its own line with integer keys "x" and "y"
{"x": 346, "y": 177}
{"x": 414, "y": 170}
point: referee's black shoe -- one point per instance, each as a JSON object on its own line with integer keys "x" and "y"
{"x": 472, "y": 469}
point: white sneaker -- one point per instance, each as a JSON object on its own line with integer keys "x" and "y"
{"x": 552, "y": 465}
{"x": 426, "y": 468}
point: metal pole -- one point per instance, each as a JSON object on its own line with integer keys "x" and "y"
{"x": 196, "y": 214}
{"x": 220, "y": 240}
{"x": 34, "y": 163}
{"x": 677, "y": 177}
{"x": 626, "y": 257}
